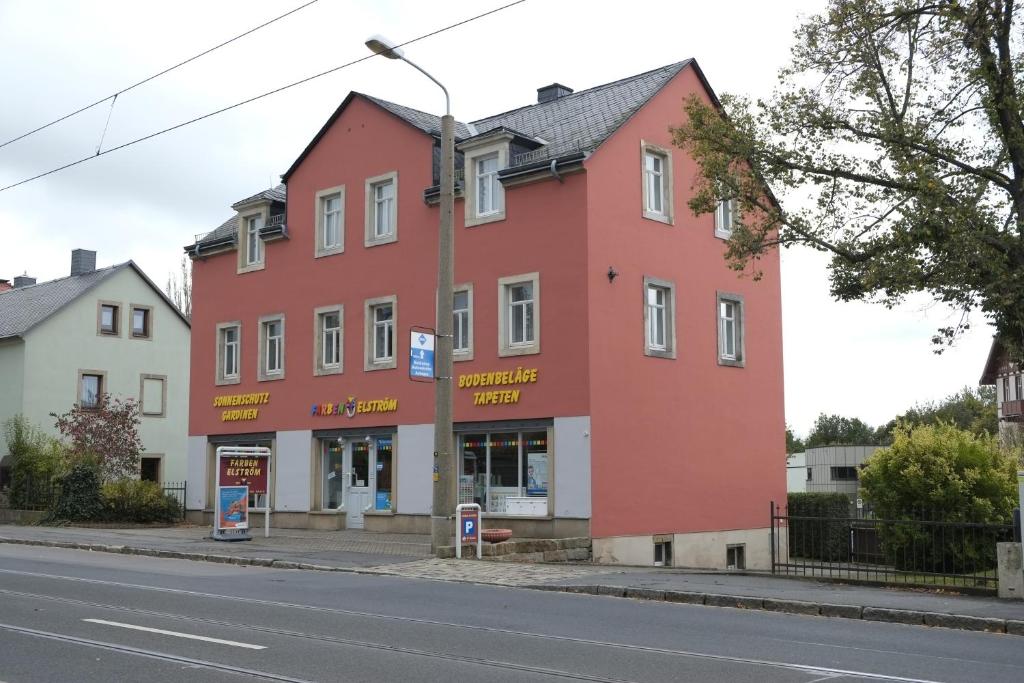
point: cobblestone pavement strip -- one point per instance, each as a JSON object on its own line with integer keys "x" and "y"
{"x": 495, "y": 573}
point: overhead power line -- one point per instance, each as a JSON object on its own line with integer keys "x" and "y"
{"x": 156, "y": 75}
{"x": 257, "y": 97}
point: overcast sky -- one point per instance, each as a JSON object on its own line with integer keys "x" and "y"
{"x": 147, "y": 201}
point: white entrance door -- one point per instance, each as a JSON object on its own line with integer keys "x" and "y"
{"x": 360, "y": 485}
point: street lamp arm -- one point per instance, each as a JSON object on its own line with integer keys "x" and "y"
{"x": 447, "y": 99}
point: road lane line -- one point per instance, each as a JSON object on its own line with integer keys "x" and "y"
{"x": 176, "y": 634}
{"x": 151, "y": 654}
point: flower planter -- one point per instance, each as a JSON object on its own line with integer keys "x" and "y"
{"x": 496, "y": 535}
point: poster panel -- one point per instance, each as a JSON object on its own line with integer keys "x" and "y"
{"x": 537, "y": 474}
{"x": 233, "y": 511}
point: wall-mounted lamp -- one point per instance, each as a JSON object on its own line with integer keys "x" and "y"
{"x": 612, "y": 273}
{"x": 341, "y": 441}
{"x": 367, "y": 439}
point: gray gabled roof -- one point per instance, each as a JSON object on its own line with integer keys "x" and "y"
{"x": 23, "y": 308}
{"x": 428, "y": 123}
{"x": 274, "y": 194}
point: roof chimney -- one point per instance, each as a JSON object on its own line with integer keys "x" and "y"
{"x": 5, "y": 285}
{"x": 82, "y": 261}
{"x": 23, "y": 281}
{"x": 550, "y": 93}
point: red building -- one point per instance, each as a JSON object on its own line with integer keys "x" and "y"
{"x": 614, "y": 378}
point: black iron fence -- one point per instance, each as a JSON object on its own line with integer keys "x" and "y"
{"x": 929, "y": 549}
{"x": 30, "y": 493}
{"x": 177, "y": 489}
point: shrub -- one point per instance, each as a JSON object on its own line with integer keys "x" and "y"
{"x": 109, "y": 432}
{"x": 36, "y": 461}
{"x": 79, "y": 499}
{"x": 132, "y": 500}
{"x": 819, "y": 526}
{"x": 950, "y": 474}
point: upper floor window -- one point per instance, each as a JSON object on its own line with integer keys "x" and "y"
{"x": 659, "y": 318}
{"x": 271, "y": 347}
{"x": 142, "y": 322}
{"x": 330, "y": 219}
{"x": 1019, "y": 395}
{"x": 253, "y": 244}
{"x": 730, "y": 330}
{"x": 519, "y": 303}
{"x": 109, "y": 319}
{"x": 153, "y": 395}
{"x": 462, "y": 323}
{"x": 488, "y": 189}
{"x": 657, "y": 183}
{"x": 229, "y": 349}
{"x": 329, "y": 340}
{"x": 844, "y": 473}
{"x": 382, "y": 209}
{"x": 725, "y": 218}
{"x": 381, "y": 321}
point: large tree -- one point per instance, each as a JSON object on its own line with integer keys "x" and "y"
{"x": 972, "y": 410}
{"x": 836, "y": 430}
{"x": 896, "y": 142}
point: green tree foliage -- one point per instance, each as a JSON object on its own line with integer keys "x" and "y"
{"x": 36, "y": 460}
{"x": 132, "y": 500}
{"x": 898, "y": 126}
{"x": 794, "y": 444}
{"x": 80, "y": 499}
{"x": 942, "y": 473}
{"x": 819, "y": 526}
{"x": 109, "y": 432}
{"x": 970, "y": 409}
{"x": 835, "y": 430}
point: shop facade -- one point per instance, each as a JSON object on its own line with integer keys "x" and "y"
{"x": 614, "y": 378}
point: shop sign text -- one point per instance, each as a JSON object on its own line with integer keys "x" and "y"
{"x": 244, "y": 471}
{"x": 253, "y": 399}
{"x": 520, "y": 375}
{"x": 352, "y": 407}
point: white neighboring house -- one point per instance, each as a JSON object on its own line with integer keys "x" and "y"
{"x": 98, "y": 331}
{"x": 796, "y": 473}
{"x": 1008, "y": 379}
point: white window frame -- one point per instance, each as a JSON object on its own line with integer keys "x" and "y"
{"x": 505, "y": 312}
{"x": 319, "y": 337}
{"x": 223, "y": 377}
{"x": 259, "y": 212}
{"x": 370, "y": 306}
{"x": 487, "y": 180}
{"x": 739, "y": 356}
{"x": 322, "y": 197}
{"x": 725, "y": 218}
{"x": 265, "y": 373}
{"x": 465, "y": 353}
{"x": 668, "y": 311}
{"x": 253, "y": 224}
{"x": 666, "y": 214}
{"x": 473, "y": 154}
{"x": 371, "y": 238}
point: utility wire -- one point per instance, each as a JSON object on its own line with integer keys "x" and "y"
{"x": 257, "y": 97}
{"x": 156, "y": 75}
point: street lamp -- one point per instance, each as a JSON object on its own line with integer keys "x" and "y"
{"x": 442, "y": 506}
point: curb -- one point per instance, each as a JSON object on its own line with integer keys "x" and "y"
{"x": 961, "y": 622}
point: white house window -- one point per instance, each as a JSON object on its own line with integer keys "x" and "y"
{"x": 659, "y": 318}
{"x": 725, "y": 218}
{"x": 519, "y": 322}
{"x": 730, "y": 330}
{"x": 109, "y": 316}
{"x": 253, "y": 245}
{"x": 330, "y": 337}
{"x": 90, "y": 390}
{"x": 383, "y": 209}
{"x": 488, "y": 191}
{"x": 271, "y": 347}
{"x": 383, "y": 333}
{"x": 332, "y": 220}
{"x": 461, "y": 322}
{"x": 657, "y": 183}
{"x": 230, "y": 346}
{"x": 141, "y": 322}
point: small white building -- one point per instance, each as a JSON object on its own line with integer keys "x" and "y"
{"x": 796, "y": 473}
{"x": 111, "y": 330}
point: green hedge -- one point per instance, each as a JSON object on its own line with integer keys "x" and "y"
{"x": 825, "y": 534}
{"x": 79, "y": 499}
{"x": 143, "y": 502}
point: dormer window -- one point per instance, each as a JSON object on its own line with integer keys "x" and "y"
{"x": 485, "y": 156}
{"x": 488, "y": 190}
{"x": 253, "y": 246}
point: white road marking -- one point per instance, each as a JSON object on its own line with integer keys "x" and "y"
{"x": 176, "y": 634}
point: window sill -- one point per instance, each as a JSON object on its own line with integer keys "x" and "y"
{"x": 495, "y": 217}
{"x": 227, "y": 381}
{"x": 660, "y": 353}
{"x": 332, "y": 251}
{"x": 526, "y": 350}
{"x": 321, "y": 372}
{"x": 723, "y": 235}
{"x": 389, "y": 365}
{"x": 725, "y": 362}
{"x": 380, "y": 241}
{"x": 251, "y": 268}
{"x": 270, "y": 378}
{"x": 462, "y": 356}
{"x": 658, "y": 217}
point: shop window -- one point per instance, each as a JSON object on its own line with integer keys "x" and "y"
{"x": 333, "y": 475}
{"x": 383, "y": 467}
{"x": 505, "y": 472}
{"x": 735, "y": 556}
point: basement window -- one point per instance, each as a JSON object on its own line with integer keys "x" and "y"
{"x": 735, "y": 556}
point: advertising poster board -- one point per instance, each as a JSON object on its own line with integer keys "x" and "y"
{"x": 233, "y": 508}
{"x": 537, "y": 474}
{"x": 469, "y": 525}
{"x": 245, "y": 470}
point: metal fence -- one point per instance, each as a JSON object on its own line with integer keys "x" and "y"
{"x": 929, "y": 549}
{"x": 29, "y": 493}
{"x": 177, "y": 490}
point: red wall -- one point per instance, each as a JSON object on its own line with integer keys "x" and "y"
{"x": 544, "y": 231}
{"x": 677, "y": 445}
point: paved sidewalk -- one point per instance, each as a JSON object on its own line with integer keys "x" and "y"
{"x": 408, "y": 555}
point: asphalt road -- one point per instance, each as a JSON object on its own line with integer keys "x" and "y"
{"x": 77, "y": 616}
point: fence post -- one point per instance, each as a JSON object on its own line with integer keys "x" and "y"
{"x": 772, "y": 536}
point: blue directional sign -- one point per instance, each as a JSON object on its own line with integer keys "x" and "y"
{"x": 421, "y": 355}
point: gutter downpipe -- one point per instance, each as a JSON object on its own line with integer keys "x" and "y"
{"x": 554, "y": 170}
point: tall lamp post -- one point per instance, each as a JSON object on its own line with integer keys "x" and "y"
{"x": 443, "y": 504}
